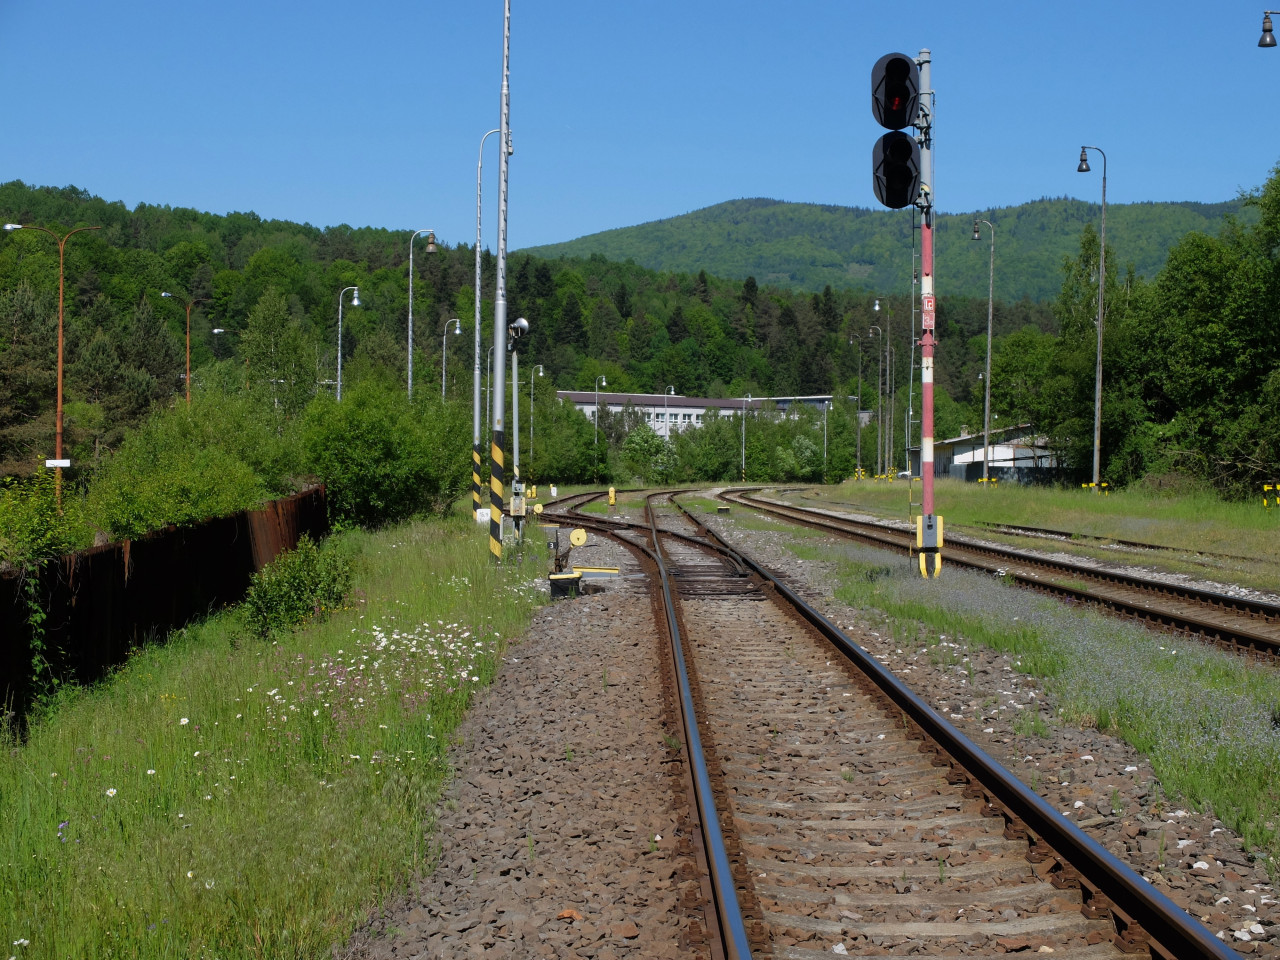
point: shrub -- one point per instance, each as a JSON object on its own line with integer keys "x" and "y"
{"x": 186, "y": 464}
{"x": 300, "y": 585}
{"x": 384, "y": 458}
{"x": 31, "y": 527}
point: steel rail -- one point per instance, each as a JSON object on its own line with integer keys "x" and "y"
{"x": 891, "y": 538}
{"x": 728, "y": 912}
{"x": 1131, "y": 898}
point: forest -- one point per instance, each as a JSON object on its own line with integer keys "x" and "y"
{"x": 1191, "y": 381}
{"x": 805, "y": 246}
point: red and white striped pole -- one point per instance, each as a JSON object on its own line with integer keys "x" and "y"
{"x": 928, "y": 525}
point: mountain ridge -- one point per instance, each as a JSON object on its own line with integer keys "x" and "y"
{"x": 807, "y": 246}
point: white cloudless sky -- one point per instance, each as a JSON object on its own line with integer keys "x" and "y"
{"x": 371, "y": 114}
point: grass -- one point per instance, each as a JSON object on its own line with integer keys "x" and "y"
{"x": 228, "y": 797}
{"x": 1190, "y": 522}
{"x": 1205, "y": 718}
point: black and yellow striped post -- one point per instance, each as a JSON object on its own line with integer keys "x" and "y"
{"x": 496, "y": 493}
{"x": 477, "y": 466}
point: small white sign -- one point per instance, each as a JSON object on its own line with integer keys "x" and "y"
{"x": 553, "y": 490}
{"x": 57, "y": 463}
{"x": 483, "y": 515}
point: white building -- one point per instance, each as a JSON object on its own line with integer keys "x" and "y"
{"x": 671, "y": 413}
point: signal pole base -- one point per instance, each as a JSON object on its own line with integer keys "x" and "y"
{"x": 929, "y": 543}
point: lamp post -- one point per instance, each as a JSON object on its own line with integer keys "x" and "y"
{"x": 477, "y": 453}
{"x": 1102, "y": 277}
{"x": 879, "y": 400}
{"x": 745, "y": 401}
{"x": 884, "y": 453}
{"x": 1268, "y": 38}
{"x": 189, "y": 304}
{"x": 826, "y": 405}
{"x": 600, "y": 381}
{"x": 444, "y": 350}
{"x": 857, "y": 410}
{"x": 355, "y": 302}
{"x": 666, "y": 418}
{"x": 62, "y": 261}
{"x": 986, "y": 406}
{"x": 497, "y": 468}
{"x": 537, "y": 367}
{"x": 431, "y": 248}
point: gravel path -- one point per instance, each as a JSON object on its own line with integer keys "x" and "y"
{"x": 560, "y": 835}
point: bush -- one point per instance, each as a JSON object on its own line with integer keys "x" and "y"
{"x": 186, "y": 464}
{"x": 303, "y": 584}
{"x": 31, "y": 527}
{"x": 384, "y": 458}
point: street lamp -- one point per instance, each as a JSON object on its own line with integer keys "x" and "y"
{"x": 986, "y": 407}
{"x": 879, "y": 397}
{"x": 884, "y": 437}
{"x": 858, "y": 409}
{"x": 666, "y": 418}
{"x": 537, "y": 367}
{"x": 444, "y": 351}
{"x": 600, "y": 382}
{"x": 431, "y": 248}
{"x": 1102, "y": 275}
{"x": 477, "y": 452}
{"x": 745, "y": 401}
{"x": 826, "y": 405}
{"x": 1268, "y": 38}
{"x": 355, "y": 302}
{"x": 189, "y": 304}
{"x": 58, "y": 462}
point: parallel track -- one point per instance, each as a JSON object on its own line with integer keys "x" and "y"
{"x": 1248, "y": 627}
{"x": 851, "y": 812}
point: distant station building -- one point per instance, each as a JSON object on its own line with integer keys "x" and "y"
{"x": 1017, "y": 454}
{"x": 672, "y": 413}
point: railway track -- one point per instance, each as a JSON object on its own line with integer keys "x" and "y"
{"x": 841, "y": 814}
{"x": 1245, "y": 626}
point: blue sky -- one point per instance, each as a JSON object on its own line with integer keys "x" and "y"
{"x": 621, "y": 113}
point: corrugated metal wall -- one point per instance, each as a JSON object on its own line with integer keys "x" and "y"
{"x": 102, "y": 602}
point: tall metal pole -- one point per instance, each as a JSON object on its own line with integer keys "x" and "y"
{"x": 431, "y": 248}
{"x": 497, "y": 473}
{"x": 477, "y": 454}
{"x": 355, "y": 302}
{"x": 986, "y": 407}
{"x": 538, "y": 367}
{"x": 444, "y": 349}
{"x": 857, "y": 410}
{"x": 929, "y": 532}
{"x": 1102, "y": 284}
{"x": 515, "y": 419}
{"x": 879, "y": 396}
{"x": 62, "y": 262}
{"x": 745, "y": 401}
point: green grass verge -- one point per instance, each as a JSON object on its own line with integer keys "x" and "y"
{"x": 227, "y": 797}
{"x": 1189, "y": 522}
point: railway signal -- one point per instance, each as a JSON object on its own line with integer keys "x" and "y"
{"x": 902, "y": 175}
{"x": 895, "y": 160}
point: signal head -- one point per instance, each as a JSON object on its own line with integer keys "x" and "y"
{"x": 895, "y": 91}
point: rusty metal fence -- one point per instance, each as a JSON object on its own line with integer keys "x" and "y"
{"x": 102, "y": 602}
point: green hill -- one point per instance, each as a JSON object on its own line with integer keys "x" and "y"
{"x": 806, "y": 246}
